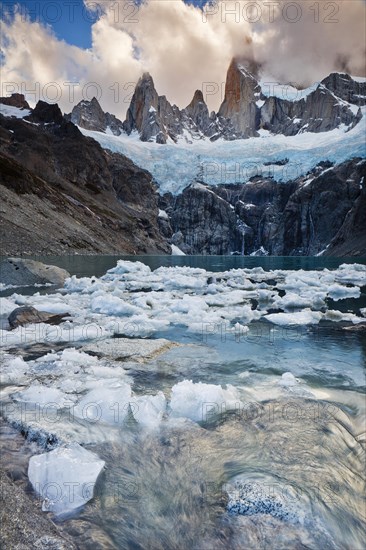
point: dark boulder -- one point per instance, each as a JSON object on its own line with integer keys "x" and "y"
{"x": 27, "y": 315}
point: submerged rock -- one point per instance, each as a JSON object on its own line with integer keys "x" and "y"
{"x": 361, "y": 327}
{"x": 20, "y": 272}
{"x": 123, "y": 349}
{"x": 27, "y": 315}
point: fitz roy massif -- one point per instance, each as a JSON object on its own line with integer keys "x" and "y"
{"x": 276, "y": 171}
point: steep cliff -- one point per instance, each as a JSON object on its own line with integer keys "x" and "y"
{"x": 322, "y": 212}
{"x": 242, "y": 91}
{"x": 62, "y": 193}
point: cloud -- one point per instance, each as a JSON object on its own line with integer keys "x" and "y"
{"x": 183, "y": 48}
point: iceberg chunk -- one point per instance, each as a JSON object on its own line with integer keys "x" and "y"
{"x": 148, "y": 410}
{"x": 107, "y": 405}
{"x": 64, "y": 478}
{"x": 201, "y": 402}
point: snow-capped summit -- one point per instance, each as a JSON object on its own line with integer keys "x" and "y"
{"x": 249, "y": 106}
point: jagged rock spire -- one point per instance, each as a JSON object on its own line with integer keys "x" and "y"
{"x": 242, "y": 91}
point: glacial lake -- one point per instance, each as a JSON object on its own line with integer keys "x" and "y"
{"x": 250, "y": 434}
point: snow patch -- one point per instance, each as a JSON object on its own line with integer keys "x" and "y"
{"x": 9, "y": 111}
{"x": 176, "y": 251}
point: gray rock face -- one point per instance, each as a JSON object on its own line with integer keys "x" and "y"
{"x": 71, "y": 196}
{"x": 322, "y": 210}
{"x": 241, "y": 114}
{"x": 320, "y": 111}
{"x": 197, "y": 112}
{"x": 27, "y": 315}
{"x": 90, "y": 115}
{"x": 343, "y": 86}
{"x": 157, "y": 120}
{"x": 20, "y": 272}
{"x": 204, "y": 223}
{"x": 142, "y": 114}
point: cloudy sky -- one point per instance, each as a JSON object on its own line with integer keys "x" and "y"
{"x": 65, "y": 50}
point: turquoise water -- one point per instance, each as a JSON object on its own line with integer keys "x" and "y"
{"x": 86, "y": 266}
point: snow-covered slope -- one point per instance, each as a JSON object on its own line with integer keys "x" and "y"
{"x": 10, "y": 111}
{"x": 175, "y": 166}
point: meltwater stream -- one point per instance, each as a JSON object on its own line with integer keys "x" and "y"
{"x": 275, "y": 459}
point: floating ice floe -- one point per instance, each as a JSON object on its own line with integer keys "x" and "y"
{"x": 340, "y": 292}
{"x": 47, "y": 334}
{"x": 148, "y": 410}
{"x": 131, "y": 300}
{"x": 7, "y": 306}
{"x": 202, "y": 402}
{"x": 299, "y": 318}
{"x": 107, "y": 405}
{"x": 14, "y": 370}
{"x": 112, "y": 305}
{"x": 64, "y": 478}
{"x": 43, "y": 396}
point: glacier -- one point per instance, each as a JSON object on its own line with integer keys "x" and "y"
{"x": 175, "y": 166}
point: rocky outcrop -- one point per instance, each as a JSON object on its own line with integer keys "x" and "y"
{"x": 15, "y": 100}
{"x": 350, "y": 240}
{"x": 244, "y": 110}
{"x": 142, "y": 114}
{"x": 345, "y": 87}
{"x": 321, "y": 212}
{"x": 26, "y": 315}
{"x": 46, "y": 113}
{"x": 198, "y": 112}
{"x": 90, "y": 115}
{"x": 21, "y": 272}
{"x": 320, "y": 111}
{"x": 155, "y": 119}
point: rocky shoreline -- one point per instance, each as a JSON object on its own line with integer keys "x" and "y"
{"x": 24, "y": 525}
